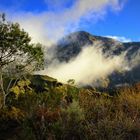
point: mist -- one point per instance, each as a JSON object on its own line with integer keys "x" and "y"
{"x": 88, "y": 67}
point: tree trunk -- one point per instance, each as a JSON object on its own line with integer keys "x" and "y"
{"x": 2, "y": 91}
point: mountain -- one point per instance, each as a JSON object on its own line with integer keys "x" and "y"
{"x": 71, "y": 45}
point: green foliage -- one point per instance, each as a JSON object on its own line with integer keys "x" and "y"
{"x": 70, "y": 123}
{"x": 71, "y": 82}
{"x": 16, "y": 48}
{"x": 12, "y": 113}
{"x": 18, "y": 56}
{"x": 67, "y": 112}
{"x": 21, "y": 87}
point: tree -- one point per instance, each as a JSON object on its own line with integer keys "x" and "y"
{"x": 17, "y": 53}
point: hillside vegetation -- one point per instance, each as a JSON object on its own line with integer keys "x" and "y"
{"x": 63, "y": 111}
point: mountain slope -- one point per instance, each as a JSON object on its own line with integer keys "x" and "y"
{"x": 71, "y": 45}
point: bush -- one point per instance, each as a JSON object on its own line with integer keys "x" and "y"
{"x": 114, "y": 118}
{"x": 66, "y": 112}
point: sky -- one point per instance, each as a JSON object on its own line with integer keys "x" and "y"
{"x": 48, "y": 20}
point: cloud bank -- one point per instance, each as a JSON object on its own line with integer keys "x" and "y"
{"x": 48, "y": 26}
{"x": 88, "y": 67}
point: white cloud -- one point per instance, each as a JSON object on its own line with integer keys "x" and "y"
{"x": 120, "y": 38}
{"x": 48, "y": 26}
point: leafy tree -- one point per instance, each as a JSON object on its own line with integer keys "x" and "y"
{"x": 17, "y": 54}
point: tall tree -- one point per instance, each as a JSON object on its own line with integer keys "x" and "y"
{"x": 17, "y": 53}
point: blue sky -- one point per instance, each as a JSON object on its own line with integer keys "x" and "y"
{"x": 124, "y": 22}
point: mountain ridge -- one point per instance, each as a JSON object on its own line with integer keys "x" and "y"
{"x": 71, "y": 45}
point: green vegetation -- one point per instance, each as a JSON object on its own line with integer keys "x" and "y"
{"x": 63, "y": 111}
{"x": 18, "y": 55}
